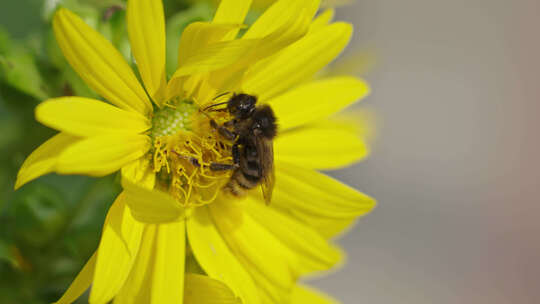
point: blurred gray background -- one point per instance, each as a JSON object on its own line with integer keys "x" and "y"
{"x": 455, "y": 166}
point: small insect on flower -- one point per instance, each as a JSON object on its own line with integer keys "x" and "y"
{"x": 252, "y": 131}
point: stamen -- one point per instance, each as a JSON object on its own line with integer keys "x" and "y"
{"x": 185, "y": 147}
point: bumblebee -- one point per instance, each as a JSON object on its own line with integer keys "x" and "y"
{"x": 251, "y": 130}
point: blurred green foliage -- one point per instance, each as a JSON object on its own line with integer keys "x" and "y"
{"x": 51, "y": 226}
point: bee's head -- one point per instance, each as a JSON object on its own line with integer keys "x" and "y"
{"x": 242, "y": 105}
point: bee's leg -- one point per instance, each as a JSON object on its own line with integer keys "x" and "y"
{"x": 194, "y": 161}
{"x": 222, "y": 167}
{"x": 236, "y": 160}
{"x": 214, "y": 124}
{"x": 236, "y": 153}
{"x": 229, "y": 123}
{"x": 219, "y": 110}
{"x": 226, "y": 133}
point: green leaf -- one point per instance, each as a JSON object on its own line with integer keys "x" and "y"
{"x": 84, "y": 9}
{"x": 102, "y": 4}
{"x": 39, "y": 211}
{"x": 19, "y": 17}
{"x": 6, "y": 254}
{"x": 10, "y": 131}
{"x": 18, "y": 68}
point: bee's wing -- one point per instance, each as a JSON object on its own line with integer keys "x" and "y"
{"x": 265, "y": 150}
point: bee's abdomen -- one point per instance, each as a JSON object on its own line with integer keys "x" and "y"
{"x": 234, "y": 188}
{"x": 241, "y": 181}
{"x": 246, "y": 179}
{"x": 249, "y": 173}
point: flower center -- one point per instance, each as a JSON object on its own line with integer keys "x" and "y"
{"x": 184, "y": 147}
{"x": 172, "y": 118}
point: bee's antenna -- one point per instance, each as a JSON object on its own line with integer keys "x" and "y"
{"x": 205, "y": 114}
{"x": 222, "y": 94}
{"x": 216, "y": 104}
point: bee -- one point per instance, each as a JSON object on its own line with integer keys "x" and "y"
{"x": 251, "y": 130}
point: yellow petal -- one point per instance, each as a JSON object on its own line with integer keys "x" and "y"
{"x": 298, "y": 62}
{"x": 231, "y": 12}
{"x": 281, "y": 25}
{"x": 361, "y": 121}
{"x": 310, "y": 250}
{"x": 266, "y": 46}
{"x": 318, "y": 200}
{"x": 317, "y": 100}
{"x": 146, "y": 30}
{"x": 88, "y": 117}
{"x": 98, "y": 63}
{"x": 136, "y": 287}
{"x": 325, "y": 146}
{"x": 198, "y": 35}
{"x": 269, "y": 262}
{"x": 279, "y": 14}
{"x": 157, "y": 276}
{"x": 43, "y": 159}
{"x": 215, "y": 257}
{"x": 200, "y": 289}
{"x": 322, "y": 20}
{"x": 151, "y": 206}
{"x": 168, "y": 272}
{"x": 328, "y": 227}
{"x": 282, "y": 37}
{"x": 81, "y": 282}
{"x": 215, "y": 56}
{"x": 203, "y": 48}
{"x": 305, "y": 295}
{"x": 102, "y": 155}
{"x": 140, "y": 172}
{"x": 227, "y": 78}
{"x": 117, "y": 251}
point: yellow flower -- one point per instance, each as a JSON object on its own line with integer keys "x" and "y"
{"x": 161, "y": 139}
